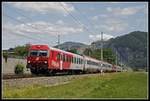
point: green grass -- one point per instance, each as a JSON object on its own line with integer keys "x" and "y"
{"x": 113, "y": 85}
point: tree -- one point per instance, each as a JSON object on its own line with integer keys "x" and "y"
{"x": 5, "y": 55}
{"x": 108, "y": 54}
{"x": 21, "y": 50}
{"x": 73, "y": 51}
{"x": 87, "y": 51}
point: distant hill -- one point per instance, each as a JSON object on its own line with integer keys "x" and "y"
{"x": 131, "y": 48}
{"x": 71, "y": 45}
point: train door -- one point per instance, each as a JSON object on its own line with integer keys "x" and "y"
{"x": 84, "y": 64}
{"x": 61, "y": 61}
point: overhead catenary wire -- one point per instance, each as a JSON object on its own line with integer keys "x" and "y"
{"x": 30, "y": 19}
{"x": 75, "y": 19}
{"x": 18, "y": 22}
{"x": 22, "y": 35}
{"x": 82, "y": 14}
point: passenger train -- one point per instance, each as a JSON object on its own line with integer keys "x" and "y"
{"x": 43, "y": 59}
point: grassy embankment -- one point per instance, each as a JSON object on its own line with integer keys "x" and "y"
{"x": 113, "y": 85}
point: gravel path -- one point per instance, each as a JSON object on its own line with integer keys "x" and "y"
{"x": 48, "y": 81}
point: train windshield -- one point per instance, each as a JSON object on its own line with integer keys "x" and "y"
{"x": 38, "y": 53}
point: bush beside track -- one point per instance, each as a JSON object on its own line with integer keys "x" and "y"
{"x": 109, "y": 85}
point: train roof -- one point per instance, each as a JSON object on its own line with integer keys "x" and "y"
{"x": 52, "y": 48}
{"x": 43, "y": 47}
{"x": 93, "y": 59}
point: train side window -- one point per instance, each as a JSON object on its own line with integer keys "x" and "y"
{"x": 72, "y": 59}
{"x": 79, "y": 61}
{"x": 63, "y": 58}
{"x": 75, "y": 60}
{"x": 68, "y": 58}
{"x": 52, "y": 52}
{"x": 58, "y": 56}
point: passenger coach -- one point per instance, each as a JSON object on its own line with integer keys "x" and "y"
{"x": 48, "y": 60}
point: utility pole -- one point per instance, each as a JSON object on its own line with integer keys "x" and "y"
{"x": 101, "y": 46}
{"x": 58, "y": 40}
{"x": 116, "y": 57}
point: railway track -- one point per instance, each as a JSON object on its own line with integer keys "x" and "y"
{"x": 40, "y": 80}
{"x": 13, "y": 76}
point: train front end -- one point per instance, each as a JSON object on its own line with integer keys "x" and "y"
{"x": 37, "y": 60}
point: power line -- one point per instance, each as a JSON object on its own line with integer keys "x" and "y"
{"x": 20, "y": 34}
{"x": 82, "y": 14}
{"x": 16, "y": 21}
{"x": 28, "y": 19}
{"x": 102, "y": 46}
{"x": 75, "y": 19}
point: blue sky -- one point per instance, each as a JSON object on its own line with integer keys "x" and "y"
{"x": 40, "y": 23}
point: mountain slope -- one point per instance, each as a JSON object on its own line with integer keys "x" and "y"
{"x": 131, "y": 48}
{"x": 71, "y": 45}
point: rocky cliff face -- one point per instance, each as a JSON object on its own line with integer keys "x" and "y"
{"x": 131, "y": 48}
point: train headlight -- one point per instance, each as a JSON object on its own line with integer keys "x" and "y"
{"x": 45, "y": 61}
{"x": 28, "y": 61}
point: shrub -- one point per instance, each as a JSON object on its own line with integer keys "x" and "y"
{"x": 19, "y": 69}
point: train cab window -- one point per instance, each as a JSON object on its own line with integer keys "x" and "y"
{"x": 38, "y": 53}
{"x": 43, "y": 53}
{"x": 34, "y": 53}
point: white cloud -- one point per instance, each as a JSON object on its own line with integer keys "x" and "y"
{"x": 123, "y": 11}
{"x": 94, "y": 18}
{"x": 19, "y": 18}
{"x": 97, "y": 17}
{"x": 60, "y": 22}
{"x": 98, "y": 37}
{"x": 114, "y": 25}
{"x": 41, "y": 27}
{"x": 43, "y": 7}
{"x": 103, "y": 15}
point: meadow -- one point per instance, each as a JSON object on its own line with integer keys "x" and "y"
{"x": 110, "y": 85}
